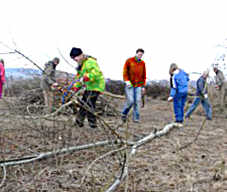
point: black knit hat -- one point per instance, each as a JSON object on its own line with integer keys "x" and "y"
{"x": 75, "y": 52}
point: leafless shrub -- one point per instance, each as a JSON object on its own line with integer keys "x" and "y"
{"x": 156, "y": 166}
{"x": 157, "y": 90}
{"x": 17, "y": 87}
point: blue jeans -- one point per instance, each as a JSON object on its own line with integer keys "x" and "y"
{"x": 178, "y": 104}
{"x": 206, "y": 107}
{"x": 133, "y": 96}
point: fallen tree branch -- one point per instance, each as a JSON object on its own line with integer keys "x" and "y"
{"x": 33, "y": 158}
{"x": 52, "y": 153}
{"x": 113, "y": 95}
{"x": 139, "y": 143}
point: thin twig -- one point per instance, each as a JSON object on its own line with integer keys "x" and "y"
{"x": 113, "y": 95}
{"x": 4, "y": 176}
{"x": 196, "y": 137}
{"x": 6, "y": 53}
{"x": 139, "y": 143}
{"x": 101, "y": 157}
{"x": 65, "y": 59}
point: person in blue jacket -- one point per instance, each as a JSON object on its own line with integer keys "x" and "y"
{"x": 178, "y": 92}
{"x": 201, "y": 97}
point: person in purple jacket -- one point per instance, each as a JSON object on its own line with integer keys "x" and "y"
{"x": 178, "y": 92}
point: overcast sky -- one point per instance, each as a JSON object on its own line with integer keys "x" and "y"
{"x": 182, "y": 31}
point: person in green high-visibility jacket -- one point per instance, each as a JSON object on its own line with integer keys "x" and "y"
{"x": 90, "y": 75}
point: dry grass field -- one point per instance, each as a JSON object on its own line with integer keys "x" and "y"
{"x": 157, "y": 166}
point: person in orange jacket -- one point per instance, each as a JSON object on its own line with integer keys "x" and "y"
{"x": 134, "y": 75}
{"x": 2, "y": 76}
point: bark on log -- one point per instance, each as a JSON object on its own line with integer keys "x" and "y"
{"x": 139, "y": 143}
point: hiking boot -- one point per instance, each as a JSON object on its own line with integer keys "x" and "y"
{"x": 93, "y": 125}
{"x": 136, "y": 121}
{"x": 178, "y": 124}
{"x": 124, "y": 118}
{"x": 78, "y": 124}
{"x": 187, "y": 117}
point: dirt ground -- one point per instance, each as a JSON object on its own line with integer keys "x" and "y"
{"x": 158, "y": 166}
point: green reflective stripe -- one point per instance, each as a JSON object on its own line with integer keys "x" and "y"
{"x": 139, "y": 83}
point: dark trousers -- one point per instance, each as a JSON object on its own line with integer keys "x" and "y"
{"x": 88, "y": 102}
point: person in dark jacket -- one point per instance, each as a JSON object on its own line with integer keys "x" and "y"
{"x": 201, "y": 97}
{"x": 48, "y": 80}
{"x": 221, "y": 86}
{"x": 178, "y": 92}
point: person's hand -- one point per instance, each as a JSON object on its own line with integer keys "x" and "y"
{"x": 170, "y": 99}
{"x": 205, "y": 96}
{"x": 128, "y": 84}
{"x": 75, "y": 89}
{"x": 55, "y": 84}
{"x": 143, "y": 91}
{"x": 86, "y": 78}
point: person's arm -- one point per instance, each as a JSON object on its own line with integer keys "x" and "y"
{"x": 144, "y": 75}
{"x": 200, "y": 87}
{"x": 48, "y": 73}
{"x": 171, "y": 81}
{"x": 126, "y": 72}
{"x": 173, "y": 89}
{"x": 220, "y": 78}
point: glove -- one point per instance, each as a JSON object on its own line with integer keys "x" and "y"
{"x": 86, "y": 78}
{"x": 143, "y": 91}
{"x": 65, "y": 94}
{"x": 128, "y": 84}
{"x": 205, "y": 96}
{"x": 75, "y": 89}
{"x": 55, "y": 84}
{"x": 170, "y": 99}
